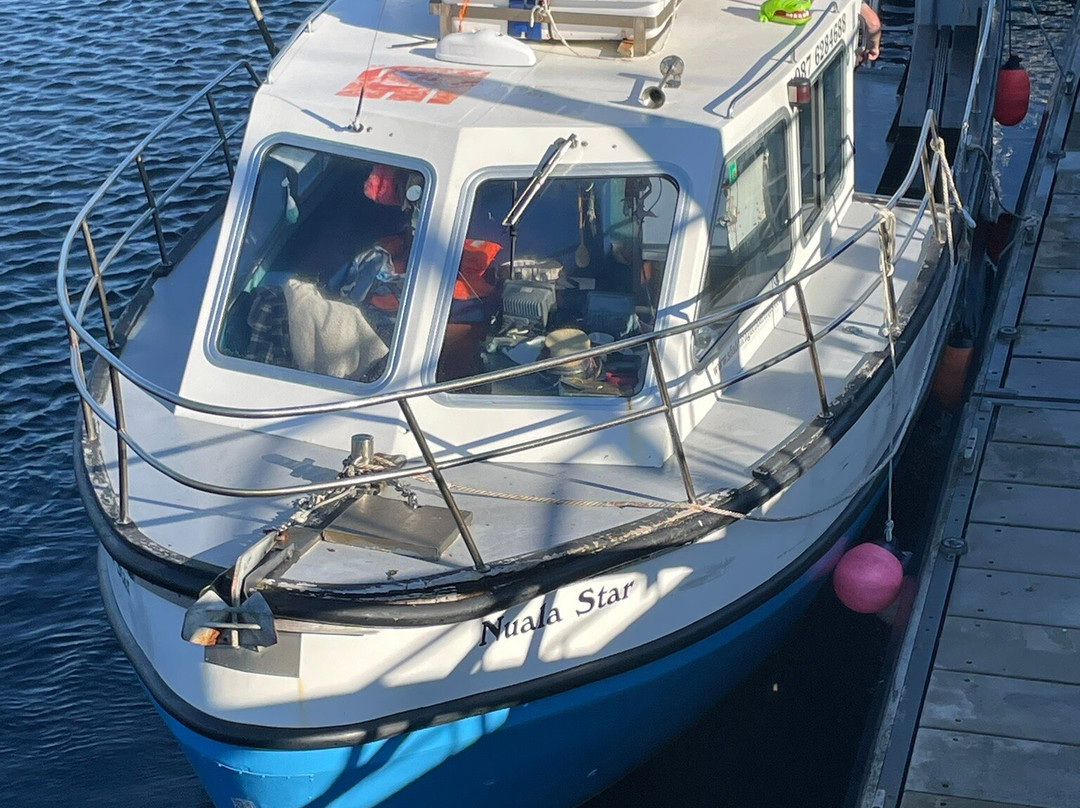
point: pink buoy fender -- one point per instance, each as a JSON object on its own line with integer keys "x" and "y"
{"x": 868, "y": 578}
{"x": 1013, "y": 93}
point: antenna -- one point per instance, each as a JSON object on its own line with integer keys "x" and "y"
{"x": 355, "y": 125}
{"x": 256, "y": 12}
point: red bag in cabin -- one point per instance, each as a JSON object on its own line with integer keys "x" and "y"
{"x": 476, "y": 257}
{"x": 387, "y": 302}
{"x": 382, "y": 186}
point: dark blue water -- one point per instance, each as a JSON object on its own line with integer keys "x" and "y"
{"x": 80, "y": 82}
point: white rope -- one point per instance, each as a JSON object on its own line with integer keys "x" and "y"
{"x": 1030, "y": 221}
{"x": 948, "y": 192}
{"x": 542, "y": 11}
{"x": 689, "y": 507}
{"x": 886, "y": 253}
{"x": 892, "y": 443}
{"x": 938, "y": 145}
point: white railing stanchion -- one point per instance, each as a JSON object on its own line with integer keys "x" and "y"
{"x": 811, "y": 342}
{"x": 673, "y": 428}
{"x": 444, "y": 489}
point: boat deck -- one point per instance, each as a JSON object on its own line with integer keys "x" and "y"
{"x": 984, "y": 706}
{"x": 518, "y": 508}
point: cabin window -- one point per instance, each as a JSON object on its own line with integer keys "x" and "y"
{"x": 322, "y": 264}
{"x": 751, "y": 236}
{"x": 821, "y": 141}
{"x": 584, "y": 267}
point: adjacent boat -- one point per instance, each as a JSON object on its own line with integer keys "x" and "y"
{"x": 538, "y": 365}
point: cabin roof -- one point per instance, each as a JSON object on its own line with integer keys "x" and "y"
{"x": 724, "y": 46}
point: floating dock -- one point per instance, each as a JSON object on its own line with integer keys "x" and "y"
{"x": 983, "y": 707}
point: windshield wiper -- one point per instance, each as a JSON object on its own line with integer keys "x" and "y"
{"x": 540, "y": 176}
{"x": 539, "y": 179}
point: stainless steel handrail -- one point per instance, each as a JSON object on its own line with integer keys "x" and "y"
{"x": 156, "y": 202}
{"x": 412, "y": 471}
{"x": 96, "y": 285}
{"x": 79, "y": 334}
{"x": 447, "y": 387}
{"x": 342, "y": 405}
{"x": 96, "y": 197}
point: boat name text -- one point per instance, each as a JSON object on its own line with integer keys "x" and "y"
{"x": 589, "y": 600}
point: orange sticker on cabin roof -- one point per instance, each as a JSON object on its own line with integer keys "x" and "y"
{"x": 431, "y": 85}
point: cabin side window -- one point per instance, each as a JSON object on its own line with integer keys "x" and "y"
{"x": 583, "y": 267}
{"x": 321, "y": 269}
{"x": 821, "y": 141}
{"x": 751, "y": 235}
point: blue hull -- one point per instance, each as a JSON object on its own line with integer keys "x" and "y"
{"x": 558, "y": 750}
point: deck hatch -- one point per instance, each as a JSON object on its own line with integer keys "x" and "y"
{"x": 386, "y": 524}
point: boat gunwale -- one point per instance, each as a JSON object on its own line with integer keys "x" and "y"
{"x": 466, "y": 594}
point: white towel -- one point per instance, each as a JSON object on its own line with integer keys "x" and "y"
{"x": 328, "y": 336}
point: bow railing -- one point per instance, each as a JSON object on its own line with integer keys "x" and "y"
{"x": 929, "y": 164}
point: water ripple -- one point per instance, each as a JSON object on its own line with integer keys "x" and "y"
{"x": 81, "y": 81}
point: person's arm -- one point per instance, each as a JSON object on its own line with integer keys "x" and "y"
{"x": 872, "y": 28}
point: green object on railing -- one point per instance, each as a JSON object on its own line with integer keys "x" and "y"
{"x": 788, "y": 12}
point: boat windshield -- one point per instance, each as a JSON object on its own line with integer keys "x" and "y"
{"x": 319, "y": 279}
{"x": 583, "y": 267}
{"x": 751, "y": 237}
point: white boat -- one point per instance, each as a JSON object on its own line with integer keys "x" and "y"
{"x": 534, "y": 372}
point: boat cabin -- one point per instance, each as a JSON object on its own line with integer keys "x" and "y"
{"x": 412, "y": 209}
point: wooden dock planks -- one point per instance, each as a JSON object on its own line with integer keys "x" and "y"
{"x": 982, "y": 708}
{"x": 999, "y": 725}
{"x": 1018, "y": 650}
{"x": 1000, "y": 719}
{"x": 1003, "y": 706}
{"x": 1006, "y": 771}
